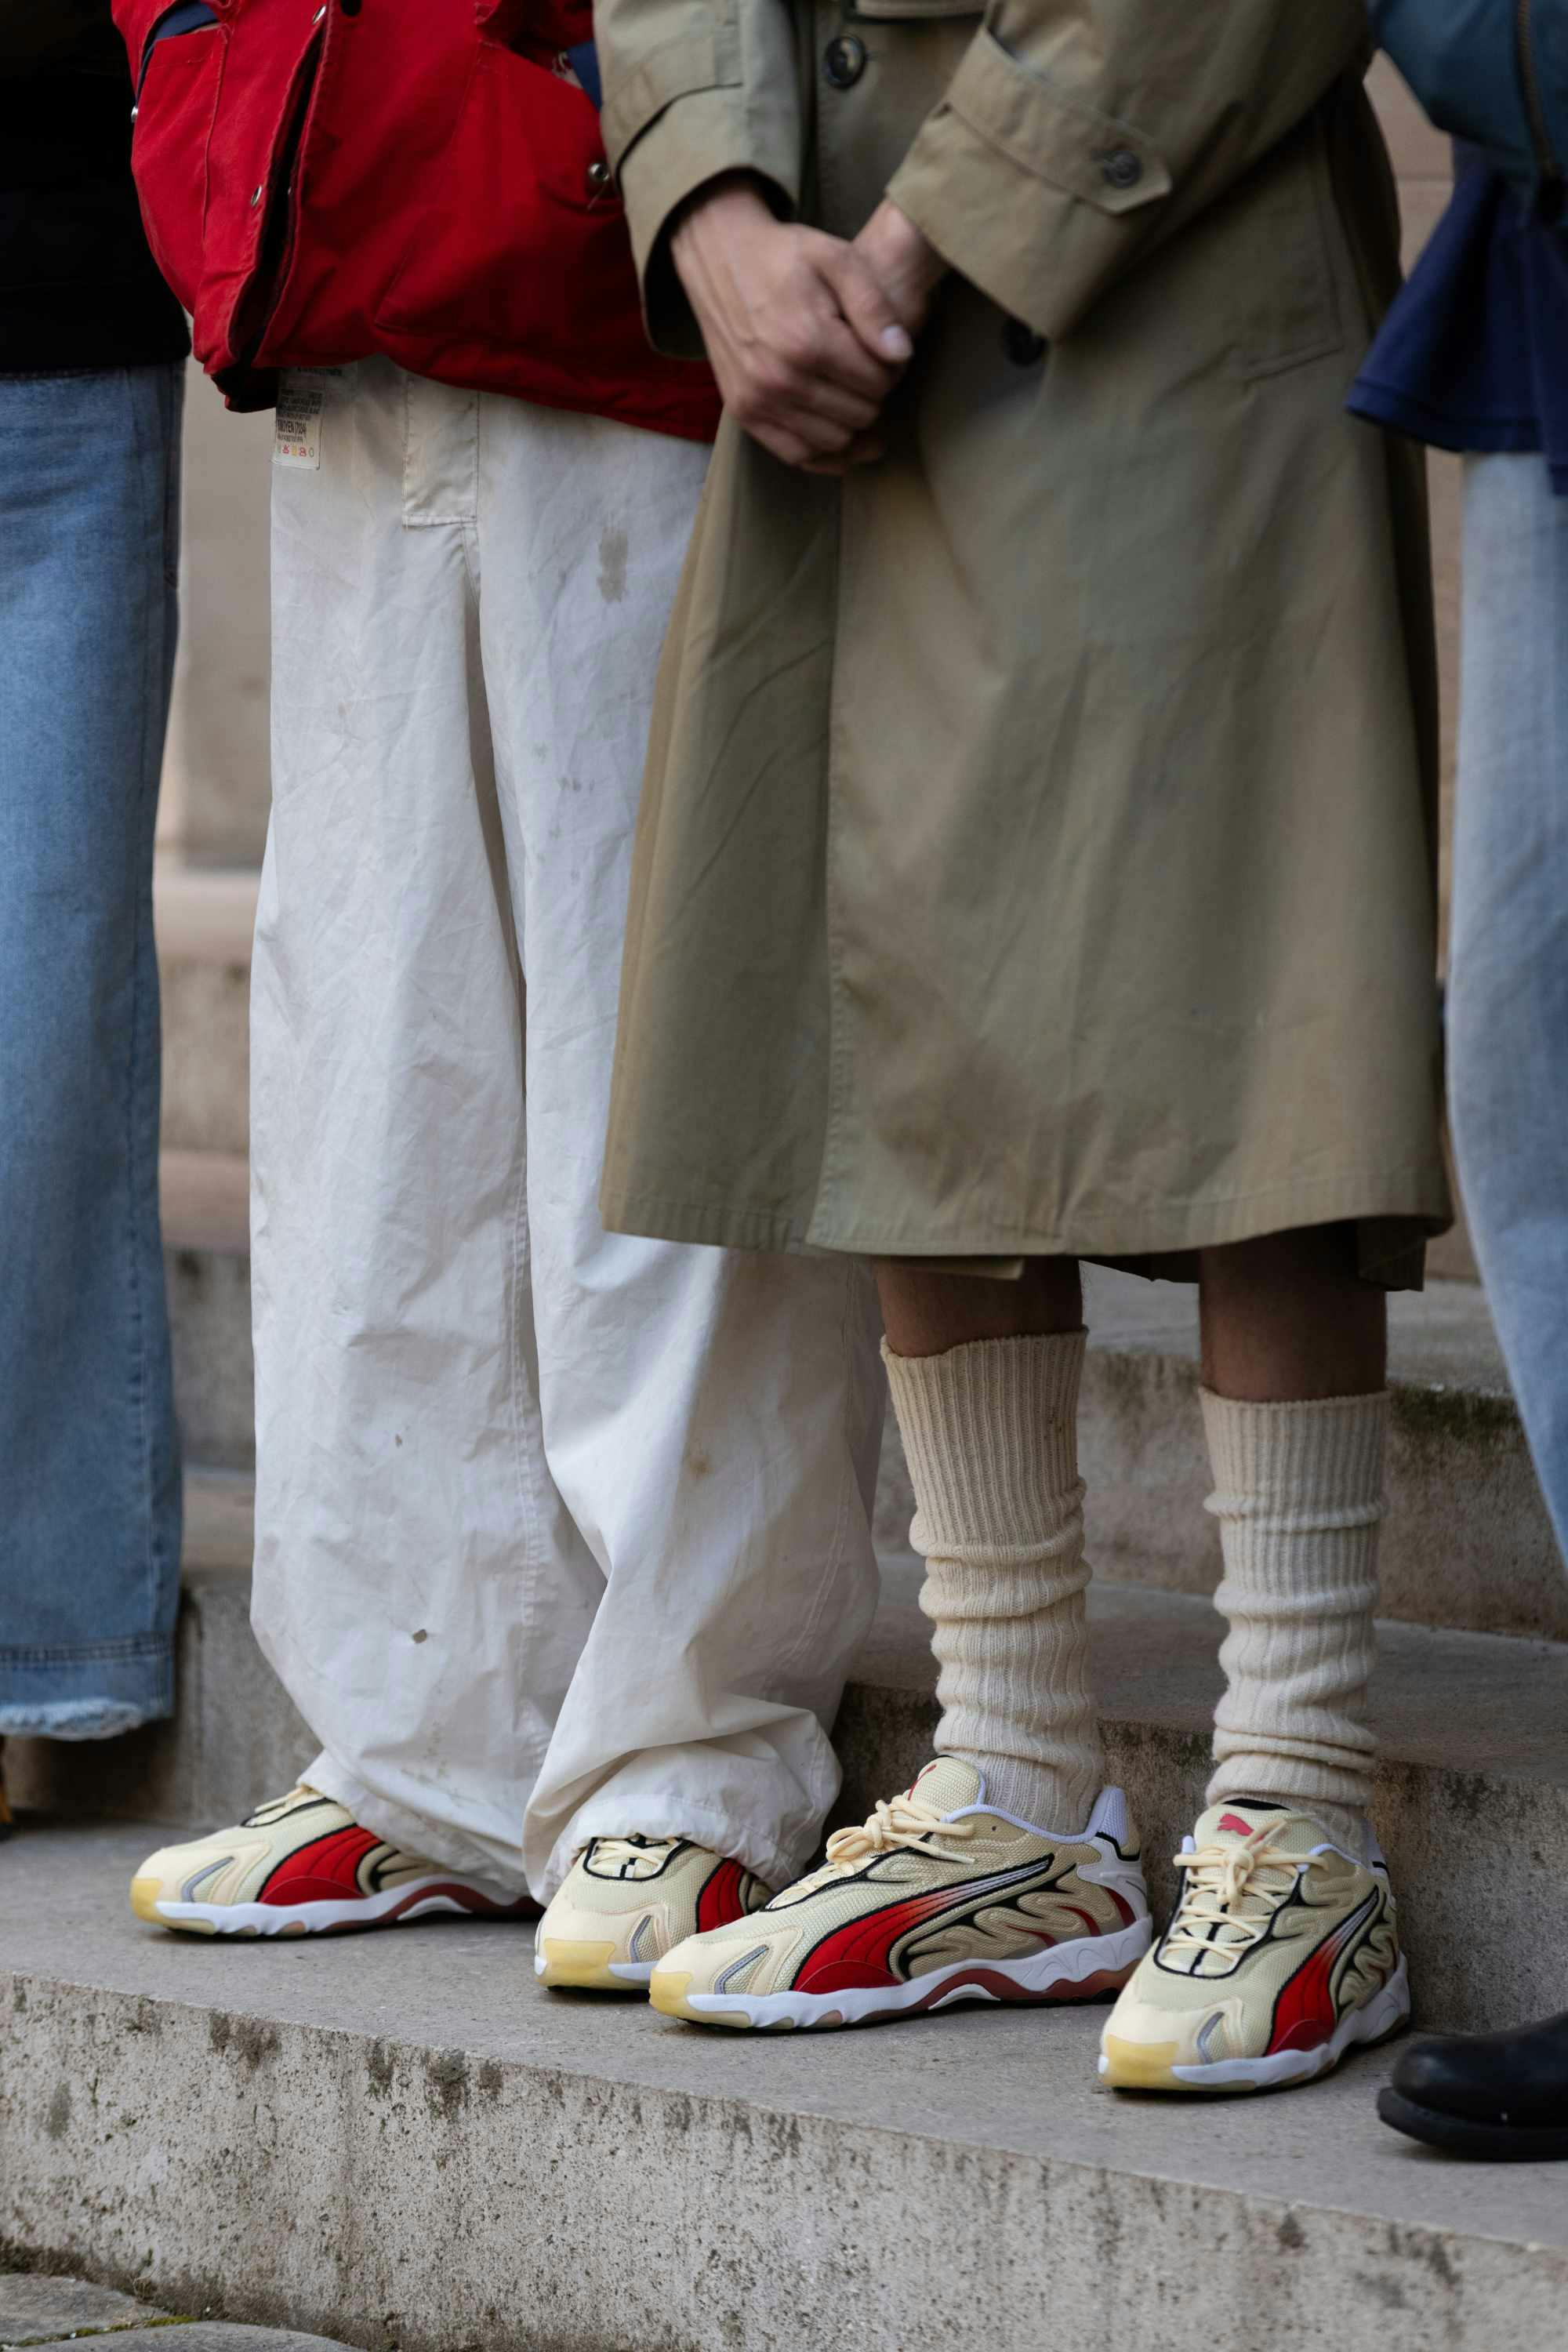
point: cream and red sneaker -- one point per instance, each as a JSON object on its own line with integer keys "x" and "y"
{"x": 626, "y": 1901}
{"x": 304, "y": 1866}
{"x": 938, "y": 1898}
{"x": 1283, "y": 1954}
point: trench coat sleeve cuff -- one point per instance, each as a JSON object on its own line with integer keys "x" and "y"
{"x": 671, "y": 126}
{"x": 1031, "y": 194}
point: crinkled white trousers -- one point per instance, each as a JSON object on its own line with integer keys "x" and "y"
{"x": 559, "y": 1533}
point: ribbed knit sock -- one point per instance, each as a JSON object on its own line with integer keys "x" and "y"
{"x": 1298, "y": 1497}
{"x": 991, "y": 1438}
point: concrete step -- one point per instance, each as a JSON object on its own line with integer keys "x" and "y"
{"x": 1467, "y": 1544}
{"x": 206, "y": 1264}
{"x": 204, "y": 919}
{"x": 401, "y": 2141}
{"x": 44, "y": 2314}
{"x": 1472, "y": 1798}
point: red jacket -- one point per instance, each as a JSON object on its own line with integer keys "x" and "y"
{"x": 322, "y": 179}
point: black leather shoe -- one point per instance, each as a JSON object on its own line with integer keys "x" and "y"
{"x": 1501, "y": 2098}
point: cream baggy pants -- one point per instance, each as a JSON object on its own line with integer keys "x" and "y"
{"x": 559, "y": 1533}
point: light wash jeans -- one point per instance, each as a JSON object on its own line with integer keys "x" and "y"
{"x": 89, "y": 1487}
{"x": 1508, "y": 998}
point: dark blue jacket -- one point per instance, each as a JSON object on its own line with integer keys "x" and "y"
{"x": 1474, "y": 354}
{"x": 1491, "y": 71}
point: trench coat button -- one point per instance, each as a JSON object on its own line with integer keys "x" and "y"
{"x": 844, "y": 61}
{"x": 601, "y": 179}
{"x": 1121, "y": 168}
{"x": 1021, "y": 343}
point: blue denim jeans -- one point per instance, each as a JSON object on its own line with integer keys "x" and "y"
{"x": 89, "y": 1482}
{"x": 1507, "y": 991}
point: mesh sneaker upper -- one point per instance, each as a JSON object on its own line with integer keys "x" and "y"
{"x": 334, "y": 1859}
{"x": 644, "y": 1895}
{"x": 930, "y": 1879}
{"x": 1276, "y": 1934}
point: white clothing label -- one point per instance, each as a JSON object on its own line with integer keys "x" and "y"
{"x": 296, "y": 438}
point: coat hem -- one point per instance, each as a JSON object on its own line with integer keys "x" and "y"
{"x": 1418, "y": 1195}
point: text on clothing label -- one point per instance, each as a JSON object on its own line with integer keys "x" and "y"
{"x": 297, "y": 439}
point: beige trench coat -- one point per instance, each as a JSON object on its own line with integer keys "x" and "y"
{"x": 1036, "y": 852}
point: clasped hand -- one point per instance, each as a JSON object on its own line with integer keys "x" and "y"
{"x": 807, "y": 334}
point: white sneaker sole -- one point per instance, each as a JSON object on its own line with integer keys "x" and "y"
{"x": 1079, "y": 1970}
{"x": 1123, "y": 2065}
{"x": 422, "y": 1899}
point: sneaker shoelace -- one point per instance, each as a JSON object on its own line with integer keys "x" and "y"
{"x": 1230, "y": 1893}
{"x": 904, "y": 1821}
{"x": 624, "y": 1854}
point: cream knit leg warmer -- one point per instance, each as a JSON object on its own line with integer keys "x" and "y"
{"x": 989, "y": 1434}
{"x": 1298, "y": 1497}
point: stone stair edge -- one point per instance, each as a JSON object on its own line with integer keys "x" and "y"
{"x": 511, "y": 2143}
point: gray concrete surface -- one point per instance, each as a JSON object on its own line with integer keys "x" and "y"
{"x": 40, "y": 2312}
{"x": 1467, "y": 1543}
{"x": 203, "y": 921}
{"x": 209, "y": 2335}
{"x": 221, "y": 2335}
{"x": 217, "y": 767}
{"x": 207, "y": 1264}
{"x": 207, "y": 1054}
{"x": 400, "y": 2139}
{"x": 40, "y": 2308}
{"x": 214, "y": 1377}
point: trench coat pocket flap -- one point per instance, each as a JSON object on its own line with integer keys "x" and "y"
{"x": 1048, "y": 132}
{"x": 690, "y": 61}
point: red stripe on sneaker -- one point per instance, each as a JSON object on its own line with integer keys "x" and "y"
{"x": 856, "y": 1956}
{"x": 719, "y": 1901}
{"x": 325, "y": 1870}
{"x": 1304, "y": 2015}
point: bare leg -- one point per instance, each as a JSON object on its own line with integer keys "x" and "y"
{"x": 1285, "y": 1320}
{"x": 926, "y": 1314}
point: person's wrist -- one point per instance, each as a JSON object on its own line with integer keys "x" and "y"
{"x": 735, "y": 198}
{"x": 900, "y": 252}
